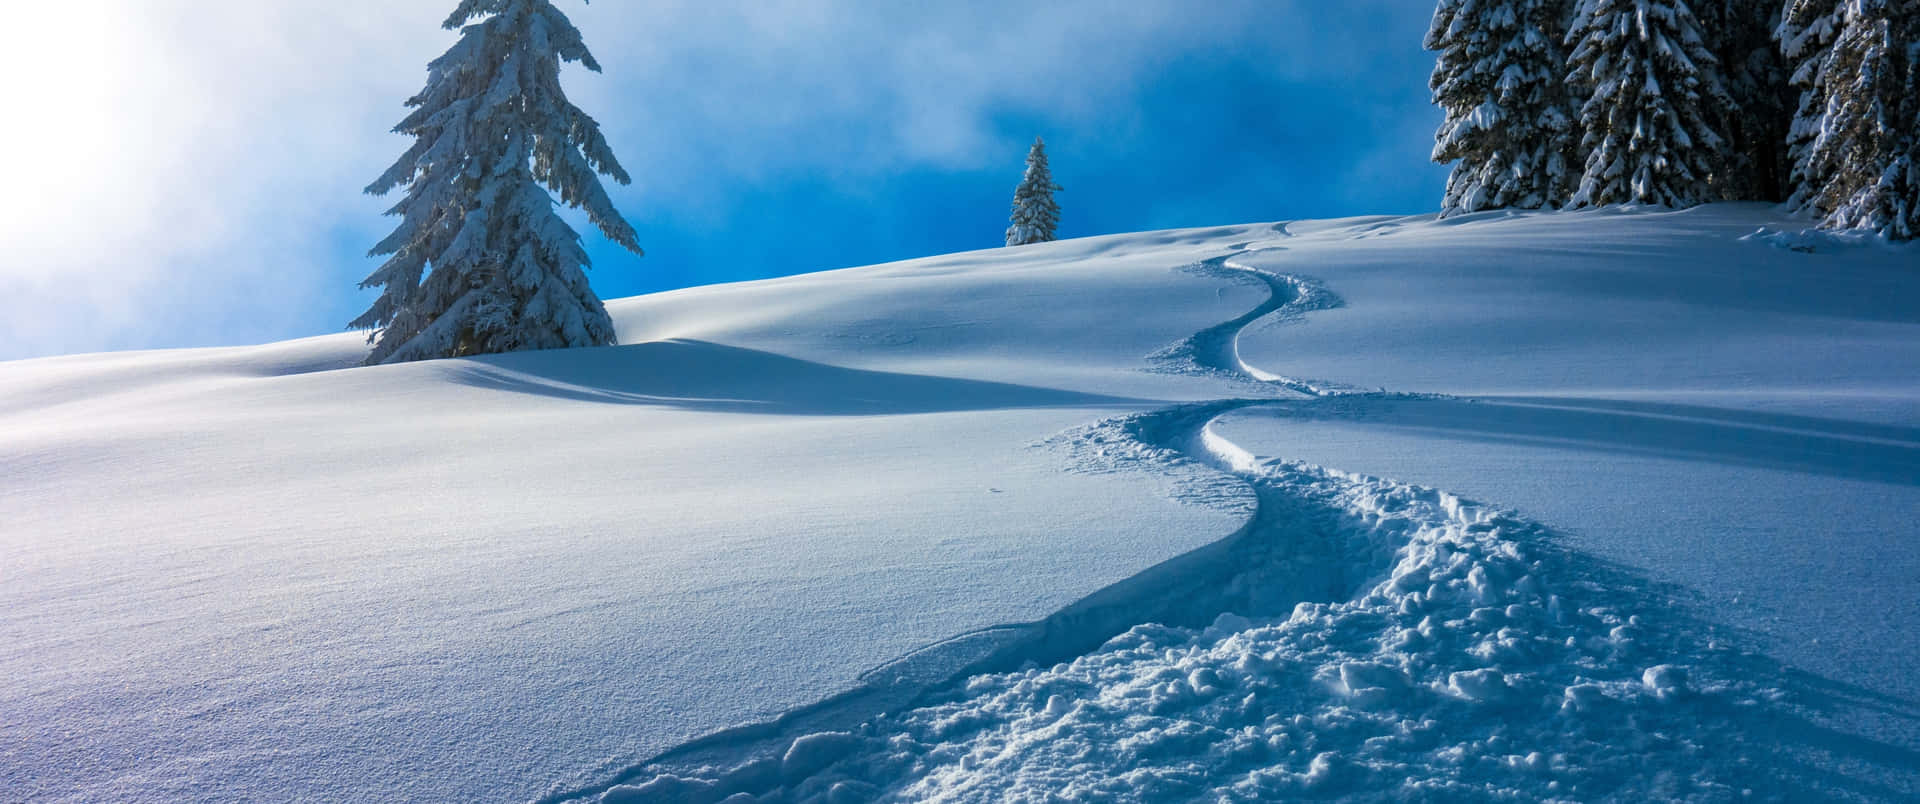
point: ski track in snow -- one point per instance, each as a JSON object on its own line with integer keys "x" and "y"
{"x": 1357, "y": 639}
{"x": 1216, "y": 349}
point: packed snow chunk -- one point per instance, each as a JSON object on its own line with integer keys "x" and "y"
{"x": 1058, "y": 705}
{"x": 812, "y": 752}
{"x": 1323, "y": 772}
{"x": 1369, "y": 684}
{"x": 1204, "y": 681}
{"x": 1665, "y": 681}
{"x": 1584, "y": 698}
{"x": 1485, "y": 685}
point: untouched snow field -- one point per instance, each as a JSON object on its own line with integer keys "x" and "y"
{"x": 1599, "y": 505}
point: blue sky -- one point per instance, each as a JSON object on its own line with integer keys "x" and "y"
{"x": 196, "y": 180}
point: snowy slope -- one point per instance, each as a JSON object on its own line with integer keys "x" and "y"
{"x": 804, "y": 503}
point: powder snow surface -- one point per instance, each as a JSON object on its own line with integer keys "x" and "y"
{"x": 1002, "y": 526}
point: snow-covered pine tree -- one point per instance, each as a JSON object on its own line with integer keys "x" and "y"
{"x": 1860, "y": 158}
{"x": 1649, "y": 84}
{"x": 1806, "y": 33}
{"x": 1500, "y": 78}
{"x": 1903, "y": 175}
{"x": 492, "y": 131}
{"x": 1740, "y": 33}
{"x": 1035, "y": 215}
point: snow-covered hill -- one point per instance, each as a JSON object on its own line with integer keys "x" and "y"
{"x": 1116, "y": 517}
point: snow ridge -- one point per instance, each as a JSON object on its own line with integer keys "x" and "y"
{"x": 1358, "y": 638}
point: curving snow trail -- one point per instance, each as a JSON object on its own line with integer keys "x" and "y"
{"x": 1216, "y": 349}
{"x": 1357, "y": 638}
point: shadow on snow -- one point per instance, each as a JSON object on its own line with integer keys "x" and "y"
{"x": 1831, "y": 447}
{"x": 698, "y": 375}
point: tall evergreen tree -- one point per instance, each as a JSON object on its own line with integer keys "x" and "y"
{"x": 1500, "y": 78}
{"x": 1859, "y": 155}
{"x": 1035, "y": 215}
{"x": 492, "y": 132}
{"x": 1650, "y": 84}
{"x": 1740, "y": 33}
{"x": 1902, "y": 177}
{"x": 1806, "y": 33}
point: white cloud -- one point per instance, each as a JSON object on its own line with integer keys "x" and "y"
{"x": 192, "y": 175}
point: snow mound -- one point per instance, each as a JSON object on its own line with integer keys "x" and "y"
{"x": 1813, "y": 241}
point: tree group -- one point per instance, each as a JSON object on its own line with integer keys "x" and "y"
{"x": 1572, "y": 103}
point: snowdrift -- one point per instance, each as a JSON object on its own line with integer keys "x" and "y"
{"x": 1100, "y": 518}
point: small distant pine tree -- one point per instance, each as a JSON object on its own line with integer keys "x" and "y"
{"x": 1509, "y": 126}
{"x": 1035, "y": 215}
{"x": 1859, "y": 155}
{"x": 1650, "y": 84}
{"x": 492, "y": 133}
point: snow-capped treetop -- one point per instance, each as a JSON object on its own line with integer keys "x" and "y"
{"x": 1035, "y": 215}
{"x": 493, "y": 131}
{"x": 1500, "y": 78}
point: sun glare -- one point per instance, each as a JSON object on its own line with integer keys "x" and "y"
{"x": 78, "y": 124}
